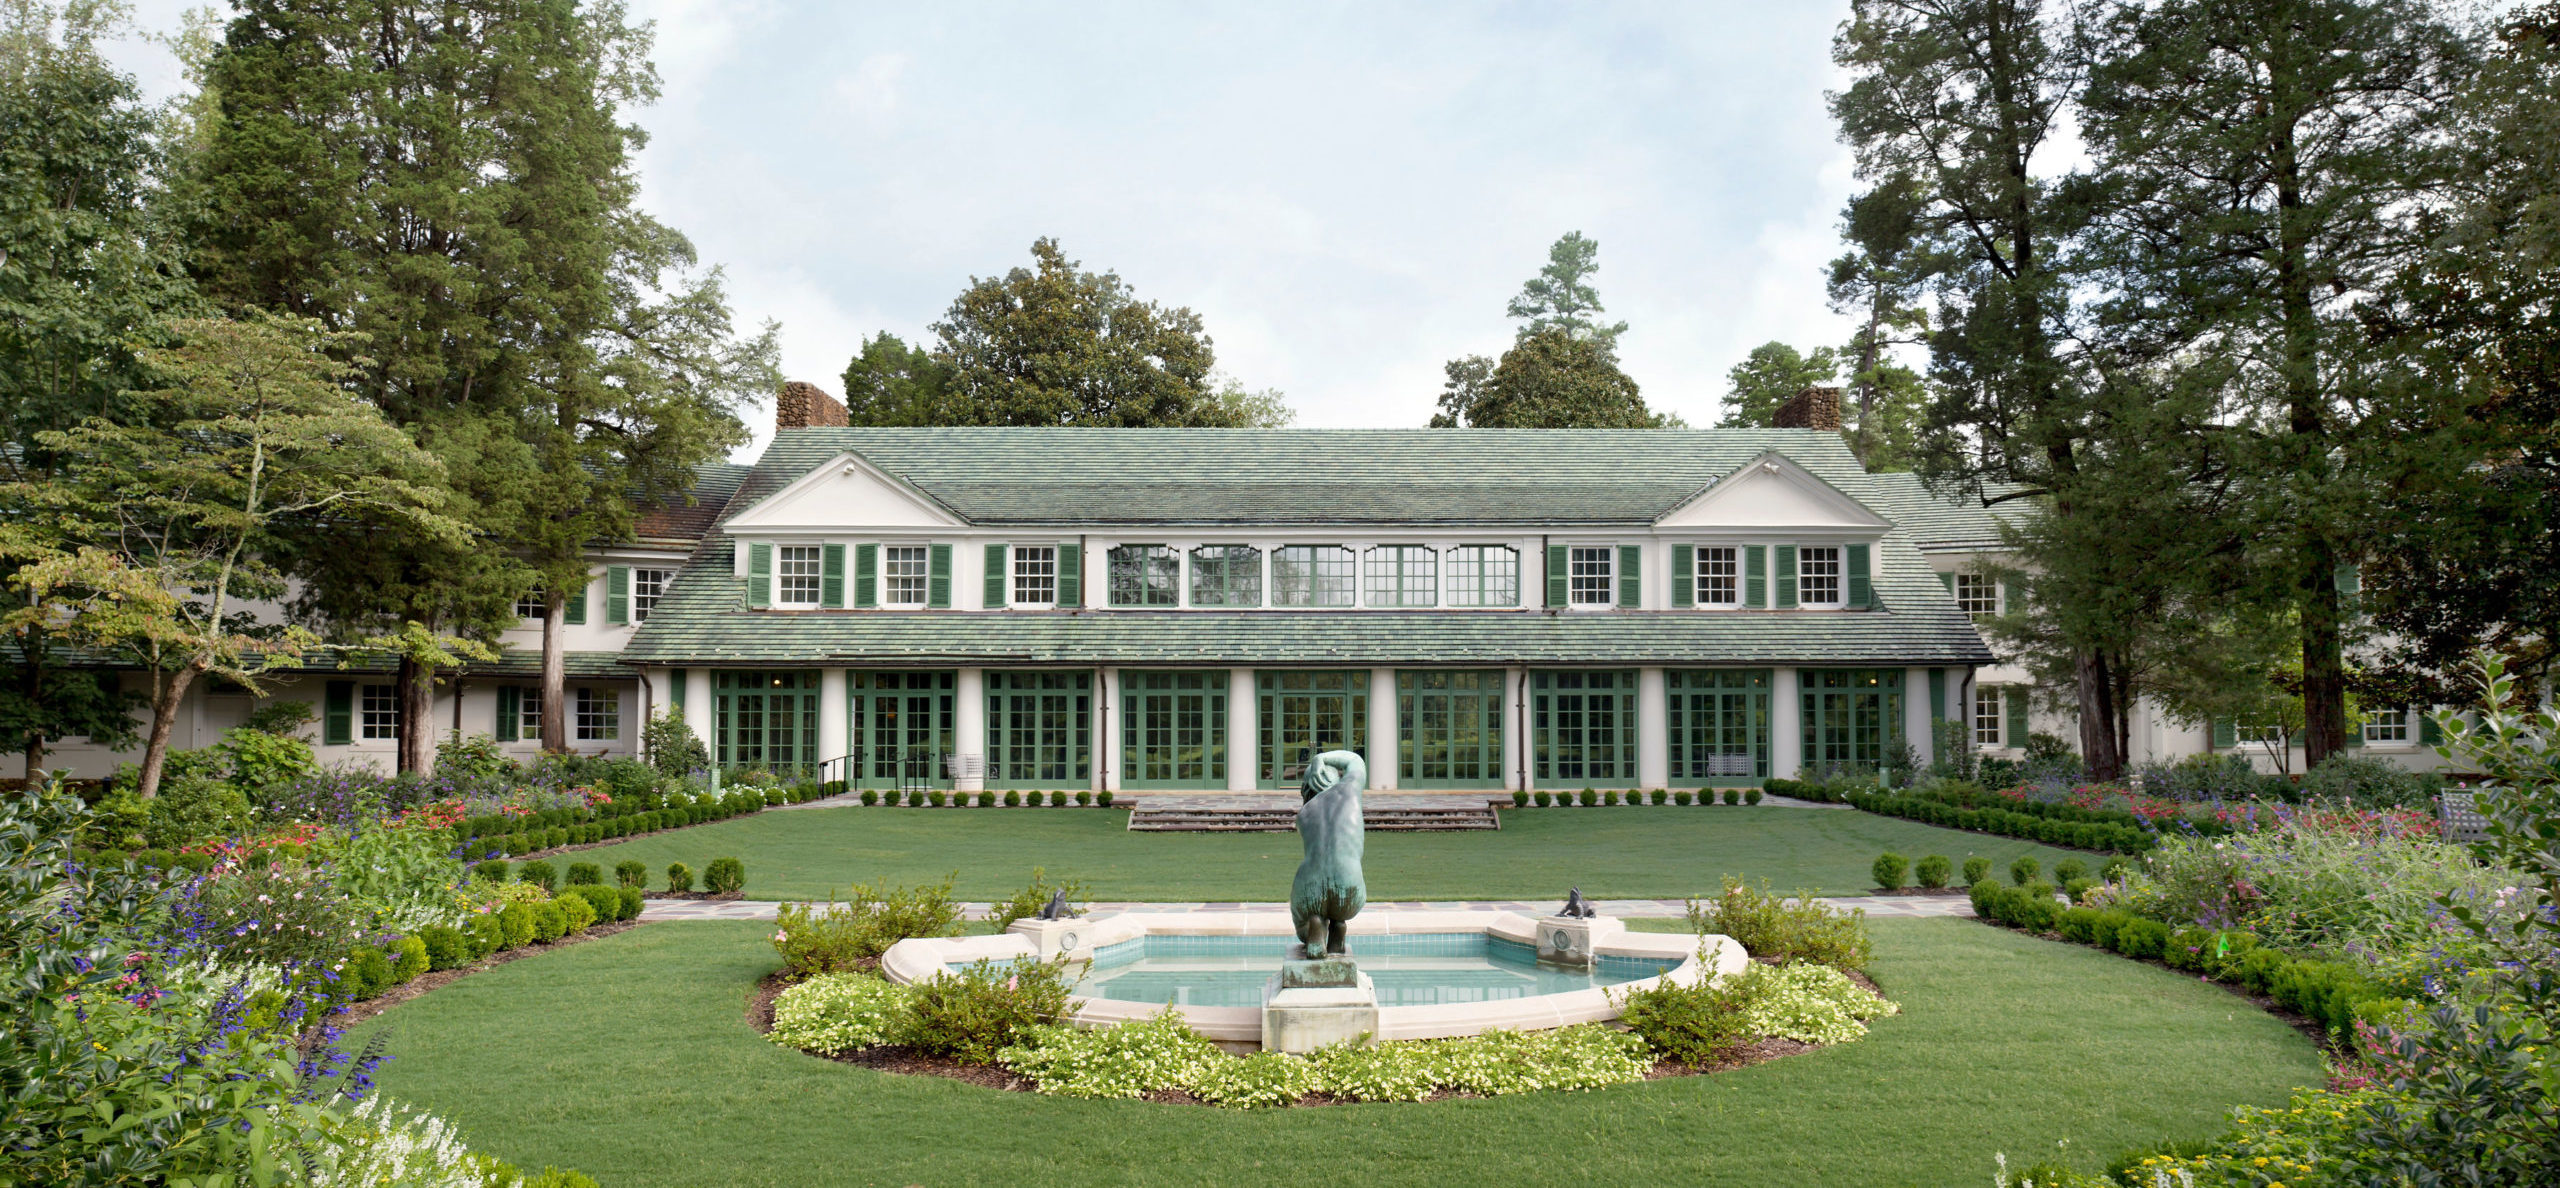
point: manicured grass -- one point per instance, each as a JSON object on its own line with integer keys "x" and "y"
{"x": 630, "y": 1058}
{"x": 1648, "y": 852}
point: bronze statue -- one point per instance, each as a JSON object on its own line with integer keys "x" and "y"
{"x": 1576, "y": 907}
{"x": 1329, "y": 891}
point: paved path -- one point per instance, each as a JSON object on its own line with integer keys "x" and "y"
{"x": 1876, "y": 906}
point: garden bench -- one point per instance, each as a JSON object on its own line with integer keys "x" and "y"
{"x": 2461, "y": 817}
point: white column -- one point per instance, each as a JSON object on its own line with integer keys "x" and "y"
{"x": 1653, "y": 730}
{"x": 832, "y": 734}
{"x": 1244, "y": 735}
{"x": 1515, "y": 731}
{"x": 1106, "y": 715}
{"x": 969, "y": 728}
{"x": 697, "y": 709}
{"x": 1916, "y": 725}
{"x": 1383, "y": 742}
{"x": 1786, "y": 725}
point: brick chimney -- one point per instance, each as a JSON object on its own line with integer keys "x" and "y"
{"x": 806, "y": 406}
{"x": 1813, "y": 408}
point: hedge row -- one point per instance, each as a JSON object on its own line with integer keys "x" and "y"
{"x": 528, "y": 835}
{"x": 2052, "y": 831}
{"x": 2333, "y": 993}
{"x": 1594, "y": 798}
{"x": 988, "y": 798}
{"x": 1819, "y": 793}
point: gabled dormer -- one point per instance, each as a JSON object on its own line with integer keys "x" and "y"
{"x": 1772, "y": 535}
{"x": 843, "y": 493}
{"x": 1772, "y": 493}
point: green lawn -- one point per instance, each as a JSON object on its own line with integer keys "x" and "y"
{"x": 1649, "y": 852}
{"x": 631, "y": 1059}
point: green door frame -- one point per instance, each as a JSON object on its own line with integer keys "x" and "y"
{"x": 1173, "y": 729}
{"x": 1582, "y": 728}
{"x": 1718, "y": 726}
{"x": 1040, "y": 729}
{"x": 1852, "y": 717}
{"x": 892, "y": 717}
{"x": 1301, "y": 713}
{"x": 1449, "y": 728}
{"x": 765, "y": 720}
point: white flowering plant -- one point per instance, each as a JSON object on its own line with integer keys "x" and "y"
{"x": 1811, "y": 1004}
{"x": 1163, "y": 1054}
{"x": 838, "y": 1013}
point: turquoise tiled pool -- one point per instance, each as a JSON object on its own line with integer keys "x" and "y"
{"x": 1416, "y": 970}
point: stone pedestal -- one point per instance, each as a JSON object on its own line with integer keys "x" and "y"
{"x": 1315, "y": 1002}
{"x": 1072, "y": 937}
{"x": 1570, "y": 941}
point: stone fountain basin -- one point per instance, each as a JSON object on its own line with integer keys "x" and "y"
{"x": 918, "y": 959}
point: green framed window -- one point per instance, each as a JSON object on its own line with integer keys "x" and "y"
{"x": 1314, "y": 575}
{"x": 1305, "y": 713}
{"x": 1718, "y": 723}
{"x": 765, "y": 720}
{"x": 1484, "y": 575}
{"x": 1173, "y": 729}
{"x": 1449, "y": 729}
{"x": 1404, "y": 575}
{"x": 1852, "y": 717}
{"x": 1146, "y": 575}
{"x": 1582, "y": 727}
{"x": 899, "y": 725}
{"x": 1226, "y": 575}
{"x": 1039, "y": 729}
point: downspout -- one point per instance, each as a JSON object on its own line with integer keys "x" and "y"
{"x": 648, "y": 698}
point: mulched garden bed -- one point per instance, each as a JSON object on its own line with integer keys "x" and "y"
{"x": 907, "y": 1061}
{"x": 434, "y": 978}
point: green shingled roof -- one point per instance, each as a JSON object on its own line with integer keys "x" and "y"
{"x": 1950, "y": 521}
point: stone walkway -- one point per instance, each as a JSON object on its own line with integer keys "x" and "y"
{"x": 1878, "y": 906}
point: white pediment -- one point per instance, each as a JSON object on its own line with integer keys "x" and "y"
{"x": 845, "y": 492}
{"x": 1773, "y": 492}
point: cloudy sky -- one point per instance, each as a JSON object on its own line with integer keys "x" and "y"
{"x": 1348, "y": 194}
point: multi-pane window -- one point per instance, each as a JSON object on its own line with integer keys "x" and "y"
{"x": 1484, "y": 575}
{"x": 1987, "y": 715}
{"x": 1035, "y": 575}
{"x": 1977, "y": 594}
{"x": 1313, "y": 575}
{"x": 2387, "y": 726}
{"x": 903, "y": 570}
{"x": 1719, "y": 576}
{"x": 1146, "y": 575}
{"x": 1593, "y": 573}
{"x": 647, "y": 587}
{"x": 529, "y": 712}
{"x": 2266, "y": 734}
{"x": 1226, "y": 575}
{"x": 795, "y": 575}
{"x": 1403, "y": 575}
{"x": 599, "y": 715}
{"x": 381, "y": 712}
{"x": 529, "y": 605}
{"x": 1818, "y": 575}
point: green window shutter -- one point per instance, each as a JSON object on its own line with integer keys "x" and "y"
{"x": 2015, "y": 734}
{"x": 617, "y": 594}
{"x": 2350, "y": 580}
{"x": 338, "y": 713}
{"x": 1630, "y": 577}
{"x": 574, "y": 610}
{"x": 998, "y": 591}
{"x": 675, "y": 691}
{"x": 1949, "y": 581}
{"x": 1684, "y": 576}
{"x": 2427, "y": 731}
{"x": 759, "y": 575}
{"x": 1862, "y": 585}
{"x": 1755, "y": 576}
{"x": 866, "y": 575}
{"x": 2355, "y": 733}
{"x": 2226, "y": 732}
{"x": 937, "y": 582}
{"x": 831, "y": 575}
{"x": 1558, "y": 566}
{"x": 1937, "y": 695}
{"x": 510, "y": 713}
{"x": 1786, "y": 577}
{"x": 2008, "y": 597}
{"x": 1070, "y": 573}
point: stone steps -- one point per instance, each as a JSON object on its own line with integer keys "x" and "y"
{"x": 1256, "y": 819}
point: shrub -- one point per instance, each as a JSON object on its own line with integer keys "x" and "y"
{"x": 1609, "y": 798}
{"x": 1693, "y": 1024}
{"x": 1889, "y": 869}
{"x": 630, "y": 872}
{"x": 408, "y": 958}
{"x": 575, "y": 913}
{"x": 2079, "y": 925}
{"x": 1058, "y": 799}
{"x": 604, "y": 902}
{"x": 632, "y": 902}
{"x": 725, "y": 876}
{"x": 1808, "y": 1003}
{"x": 1028, "y": 901}
{"x": 1519, "y": 798}
{"x": 549, "y": 922}
{"x": 446, "y": 947}
{"x": 1103, "y": 798}
{"x": 1733, "y": 796}
{"x": 2370, "y": 783}
{"x": 976, "y": 1012}
{"x": 1590, "y": 797}
{"x": 367, "y": 973}
{"x": 934, "y": 798}
{"x": 1766, "y": 925}
{"x": 679, "y": 877}
{"x": 843, "y": 1012}
{"x": 986, "y": 799}
{"x": 841, "y": 936}
{"x": 1662, "y": 795}
{"x": 673, "y": 748}
{"x": 484, "y": 934}
{"x": 1152, "y": 1055}
{"x": 537, "y": 873}
{"x": 1084, "y": 796}
{"x": 1751, "y": 796}
{"x": 2024, "y": 870}
{"x": 1545, "y": 798}
{"x": 585, "y": 874}
{"x": 1975, "y": 870}
{"x": 870, "y": 796}
{"x": 2139, "y": 937}
{"x": 2116, "y": 870}
{"x": 1013, "y": 798}
{"x": 915, "y": 799}
{"x": 1931, "y": 871}
{"x": 2069, "y": 869}
{"x": 1680, "y": 797}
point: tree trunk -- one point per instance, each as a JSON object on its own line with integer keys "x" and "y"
{"x": 2324, "y": 667}
{"x": 417, "y": 694}
{"x": 164, "y": 718}
{"x": 2098, "y": 711}
{"x": 31, "y": 686}
{"x": 555, "y": 674}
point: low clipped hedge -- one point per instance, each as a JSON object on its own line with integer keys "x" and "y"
{"x": 517, "y": 836}
{"x": 2332, "y": 993}
{"x": 2051, "y": 828}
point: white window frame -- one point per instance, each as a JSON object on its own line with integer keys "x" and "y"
{"x": 1990, "y": 704}
{"x": 378, "y": 713}
{"x": 2259, "y": 734}
{"x": 893, "y": 556}
{"x": 1839, "y": 576}
{"x": 598, "y": 715}
{"x": 1705, "y": 576}
{"x": 1032, "y": 569}
{"x": 1602, "y": 578}
{"x": 2396, "y": 731}
{"x": 647, "y": 587}
{"x": 794, "y": 564}
{"x": 1977, "y": 594}
{"x": 529, "y": 713}
{"x": 529, "y": 605}
{"x": 1482, "y": 575}
{"x": 1402, "y": 576}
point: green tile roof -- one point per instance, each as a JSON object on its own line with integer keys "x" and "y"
{"x": 1944, "y": 522}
